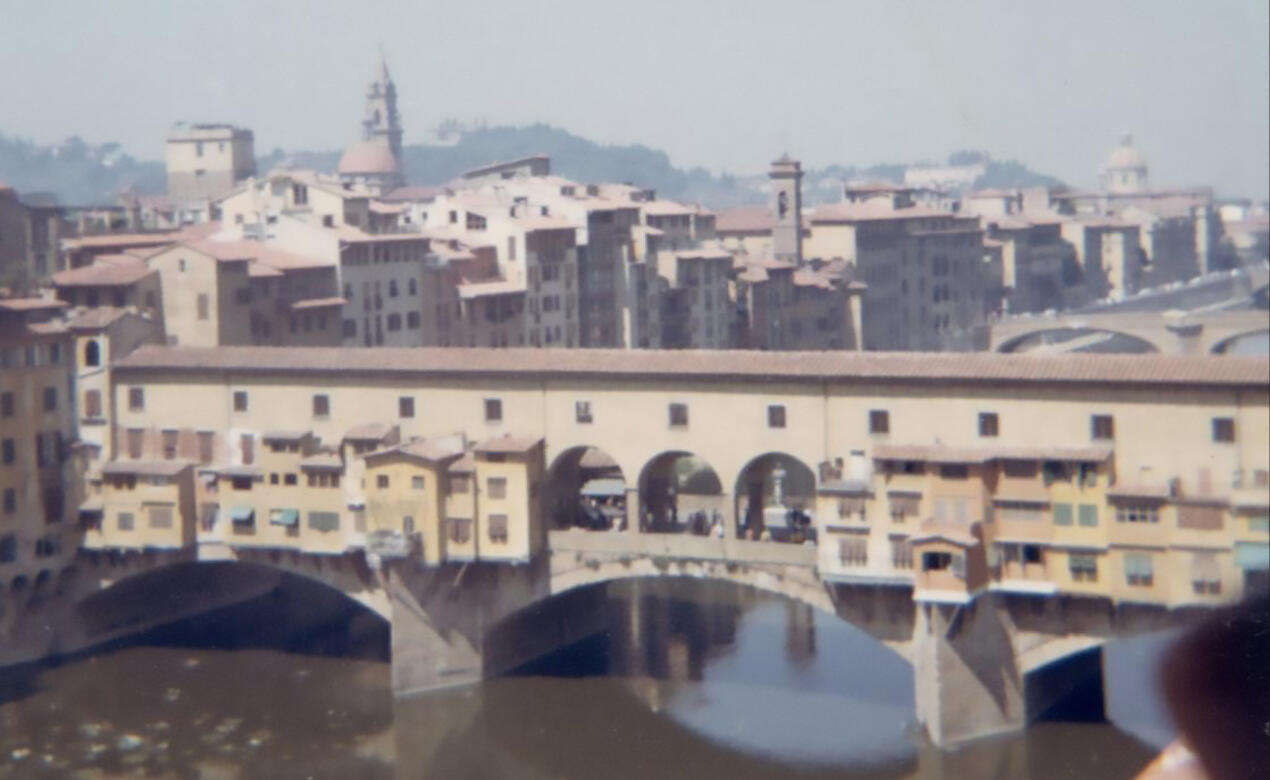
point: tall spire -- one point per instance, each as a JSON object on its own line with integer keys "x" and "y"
{"x": 381, "y": 122}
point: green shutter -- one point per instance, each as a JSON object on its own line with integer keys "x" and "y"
{"x": 1062, "y": 514}
{"x": 1088, "y": 514}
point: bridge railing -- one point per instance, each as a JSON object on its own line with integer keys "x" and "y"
{"x": 682, "y": 546}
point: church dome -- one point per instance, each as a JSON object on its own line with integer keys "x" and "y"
{"x": 1125, "y": 156}
{"x": 368, "y": 158}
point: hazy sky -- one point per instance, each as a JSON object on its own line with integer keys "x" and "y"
{"x": 723, "y": 84}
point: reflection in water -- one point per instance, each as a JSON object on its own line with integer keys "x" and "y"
{"x": 692, "y": 680}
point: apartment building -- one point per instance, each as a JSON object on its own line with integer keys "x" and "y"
{"x": 31, "y": 229}
{"x": 1024, "y": 474}
{"x": 39, "y": 478}
{"x": 205, "y": 161}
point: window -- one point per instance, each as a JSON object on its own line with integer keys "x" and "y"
{"x": 679, "y": 415}
{"x": 989, "y": 425}
{"x": 1062, "y": 514}
{"x": 498, "y": 528}
{"x": 6, "y": 405}
{"x": 1083, "y": 567}
{"x": 289, "y": 479}
{"x": 1200, "y": 517}
{"x": 321, "y": 405}
{"x": 1138, "y": 513}
{"x": 92, "y": 353}
{"x": 460, "y": 529}
{"x": 459, "y": 484}
{"x": 1102, "y": 426}
{"x": 853, "y": 551}
{"x": 879, "y": 421}
{"x": 136, "y": 399}
{"x": 92, "y": 404}
{"x": 405, "y": 407}
{"x": 1205, "y": 574}
{"x": 247, "y": 445}
{"x": 170, "y": 439}
{"x": 125, "y": 521}
{"x": 1055, "y": 471}
{"x": 50, "y": 399}
{"x": 135, "y": 439}
{"x": 1223, "y": 429}
{"x": 413, "y": 320}
{"x": 1032, "y": 553}
{"x": 204, "y": 306}
{"x": 901, "y": 554}
{"x": 8, "y": 548}
{"x": 776, "y": 416}
{"x": 493, "y": 410}
{"x": 240, "y": 400}
{"x": 936, "y": 561}
{"x": 381, "y": 481}
{"x": 496, "y": 487}
{"x": 416, "y": 483}
{"x": 954, "y": 471}
{"x": 582, "y": 411}
{"x": 1087, "y": 515}
{"x": 10, "y": 500}
{"x": 160, "y": 517}
{"x": 1139, "y": 570}
{"x": 206, "y": 439}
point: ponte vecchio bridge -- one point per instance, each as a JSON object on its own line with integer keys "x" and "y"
{"x": 993, "y": 519}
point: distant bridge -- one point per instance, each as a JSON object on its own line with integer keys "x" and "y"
{"x": 1170, "y": 332}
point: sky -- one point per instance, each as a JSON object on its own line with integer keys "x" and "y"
{"x": 722, "y": 84}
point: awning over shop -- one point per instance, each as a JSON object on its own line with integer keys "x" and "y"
{"x": 288, "y": 517}
{"x": 1252, "y": 556}
{"x": 242, "y": 515}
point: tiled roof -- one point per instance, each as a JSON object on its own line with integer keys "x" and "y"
{"x": 369, "y": 432}
{"x": 322, "y": 460}
{"x": 866, "y": 212}
{"x": 421, "y": 448}
{"x": 30, "y": 304}
{"x": 744, "y": 219}
{"x": 507, "y": 444}
{"x": 103, "y": 275}
{"x": 159, "y": 468}
{"x": 841, "y": 366}
{"x": 96, "y": 317}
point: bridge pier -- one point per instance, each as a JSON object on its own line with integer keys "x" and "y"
{"x": 966, "y": 679}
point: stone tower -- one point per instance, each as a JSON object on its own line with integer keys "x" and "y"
{"x": 382, "y": 122}
{"x": 787, "y": 207}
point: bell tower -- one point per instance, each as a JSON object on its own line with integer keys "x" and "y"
{"x": 786, "y": 176}
{"x": 382, "y": 123}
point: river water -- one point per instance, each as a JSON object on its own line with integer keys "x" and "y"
{"x": 699, "y": 681}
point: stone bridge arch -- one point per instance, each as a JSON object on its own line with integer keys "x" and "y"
{"x": 675, "y": 486}
{"x": 1222, "y": 346}
{"x": 1076, "y": 333}
{"x": 768, "y": 482}
{"x": 587, "y": 487}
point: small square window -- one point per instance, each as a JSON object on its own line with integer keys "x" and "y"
{"x": 289, "y": 479}
{"x": 405, "y": 407}
{"x": 776, "y": 416}
{"x": 381, "y": 481}
{"x": 321, "y": 406}
{"x": 496, "y": 487}
{"x": 582, "y": 411}
{"x": 879, "y": 421}
{"x": 240, "y": 400}
{"x": 1102, "y": 426}
{"x": 493, "y": 410}
{"x": 1223, "y": 429}
{"x": 136, "y": 399}
{"x": 989, "y": 425}
{"x": 416, "y": 483}
{"x": 679, "y": 415}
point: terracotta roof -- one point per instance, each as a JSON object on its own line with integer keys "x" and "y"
{"x": 411, "y": 193}
{"x": 932, "y": 367}
{"x": 322, "y": 460}
{"x": 31, "y": 304}
{"x": 866, "y": 212}
{"x": 97, "y": 317}
{"x": 369, "y": 432}
{"x": 421, "y": 448}
{"x": 507, "y": 444}
{"x": 464, "y": 465}
{"x": 106, "y": 275}
{"x": 158, "y": 468}
{"x": 744, "y": 219}
{"x": 124, "y": 240}
{"x": 666, "y": 208}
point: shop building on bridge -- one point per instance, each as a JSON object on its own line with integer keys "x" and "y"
{"x": 1142, "y": 479}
